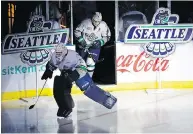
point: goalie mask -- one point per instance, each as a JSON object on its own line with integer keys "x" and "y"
{"x": 96, "y": 19}
{"x": 61, "y": 51}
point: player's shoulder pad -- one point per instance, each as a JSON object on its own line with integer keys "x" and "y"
{"x": 53, "y": 53}
{"x": 72, "y": 51}
{"x": 103, "y": 24}
{"x": 74, "y": 54}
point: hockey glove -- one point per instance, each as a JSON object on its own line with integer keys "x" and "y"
{"x": 82, "y": 42}
{"x": 49, "y": 71}
{"x": 97, "y": 44}
{"x": 47, "y": 74}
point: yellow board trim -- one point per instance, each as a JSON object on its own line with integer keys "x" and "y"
{"x": 119, "y": 87}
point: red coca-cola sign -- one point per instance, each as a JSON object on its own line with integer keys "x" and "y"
{"x": 141, "y": 62}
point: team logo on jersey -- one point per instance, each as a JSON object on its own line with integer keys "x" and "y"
{"x": 35, "y": 44}
{"x": 91, "y": 37}
{"x": 159, "y": 38}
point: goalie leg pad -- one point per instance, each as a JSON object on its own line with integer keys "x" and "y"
{"x": 95, "y": 93}
{"x": 84, "y": 82}
{"x": 102, "y": 97}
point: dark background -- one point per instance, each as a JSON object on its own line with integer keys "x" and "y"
{"x": 183, "y": 8}
{"x": 146, "y": 7}
{"x": 21, "y": 16}
{"x": 22, "y": 13}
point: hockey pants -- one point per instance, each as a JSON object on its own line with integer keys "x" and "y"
{"x": 62, "y": 93}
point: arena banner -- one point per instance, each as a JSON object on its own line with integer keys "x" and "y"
{"x": 34, "y": 45}
{"x": 159, "y": 39}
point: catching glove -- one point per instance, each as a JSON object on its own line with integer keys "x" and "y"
{"x": 47, "y": 74}
{"x": 49, "y": 71}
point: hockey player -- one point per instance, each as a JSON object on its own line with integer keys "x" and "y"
{"x": 73, "y": 69}
{"x": 91, "y": 35}
{"x": 55, "y": 16}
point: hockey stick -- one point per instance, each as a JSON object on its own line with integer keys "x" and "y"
{"x": 32, "y": 106}
{"x": 108, "y": 46}
{"x": 102, "y": 59}
{"x": 98, "y": 61}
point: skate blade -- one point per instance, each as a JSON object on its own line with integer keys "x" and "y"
{"x": 62, "y": 117}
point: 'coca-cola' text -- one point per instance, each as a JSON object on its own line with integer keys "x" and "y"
{"x": 141, "y": 62}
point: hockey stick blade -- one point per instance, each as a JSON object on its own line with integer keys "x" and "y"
{"x": 32, "y": 106}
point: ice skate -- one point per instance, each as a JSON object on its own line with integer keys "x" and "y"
{"x": 64, "y": 113}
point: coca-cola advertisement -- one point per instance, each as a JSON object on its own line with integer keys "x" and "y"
{"x": 133, "y": 64}
{"x": 140, "y": 63}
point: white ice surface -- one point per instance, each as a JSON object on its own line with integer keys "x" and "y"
{"x": 136, "y": 112}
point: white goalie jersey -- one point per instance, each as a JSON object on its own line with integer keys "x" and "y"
{"x": 87, "y": 30}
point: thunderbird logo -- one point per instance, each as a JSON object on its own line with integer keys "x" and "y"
{"x": 159, "y": 38}
{"x": 34, "y": 45}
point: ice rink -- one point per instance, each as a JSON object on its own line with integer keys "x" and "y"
{"x": 136, "y": 111}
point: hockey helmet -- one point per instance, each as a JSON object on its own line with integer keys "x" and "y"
{"x": 97, "y": 18}
{"x": 60, "y": 50}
